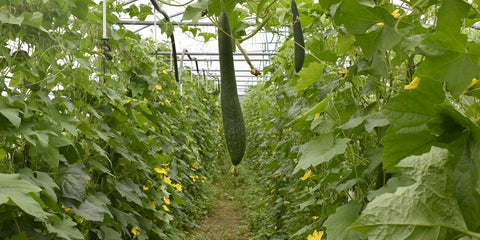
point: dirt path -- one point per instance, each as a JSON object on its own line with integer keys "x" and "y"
{"x": 227, "y": 220}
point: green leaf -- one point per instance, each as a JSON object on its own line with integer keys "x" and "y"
{"x": 390, "y": 187}
{"x": 73, "y": 179}
{"x": 6, "y": 18}
{"x": 42, "y": 180}
{"x": 130, "y": 191}
{"x": 318, "y": 108}
{"x": 109, "y": 233}
{"x": 466, "y": 190}
{"x": 450, "y": 16}
{"x": 51, "y": 155}
{"x": 337, "y": 224}
{"x": 11, "y": 114}
{"x": 195, "y": 12}
{"x": 408, "y": 114}
{"x": 320, "y": 150}
{"x": 18, "y": 190}
{"x": 81, "y": 9}
{"x": 423, "y": 210}
{"x": 455, "y": 69}
{"x": 358, "y": 18}
{"x": 94, "y": 207}
{"x": 64, "y": 228}
{"x": 374, "y": 44}
{"x": 145, "y": 10}
{"x": 375, "y": 120}
{"x": 33, "y": 19}
{"x": 309, "y": 75}
{"x": 20, "y": 236}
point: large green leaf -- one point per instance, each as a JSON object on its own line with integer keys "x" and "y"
{"x": 309, "y": 75}
{"x": 320, "y": 150}
{"x": 338, "y": 223}
{"x": 356, "y": 17}
{"x": 73, "y": 179}
{"x": 408, "y": 114}
{"x": 19, "y": 191}
{"x": 11, "y": 114}
{"x": 34, "y": 19}
{"x": 42, "y": 180}
{"x": 64, "y": 228}
{"x": 450, "y": 16}
{"x": 94, "y": 207}
{"x": 130, "y": 191}
{"x": 454, "y": 68}
{"x": 423, "y": 210}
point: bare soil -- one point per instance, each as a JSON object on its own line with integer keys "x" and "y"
{"x": 227, "y": 220}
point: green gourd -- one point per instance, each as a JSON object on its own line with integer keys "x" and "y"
{"x": 232, "y": 116}
{"x": 299, "y": 49}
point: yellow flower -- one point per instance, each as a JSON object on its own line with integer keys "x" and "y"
{"x": 135, "y": 231}
{"x": 344, "y": 71}
{"x": 145, "y": 188}
{"x": 166, "y": 201}
{"x": 195, "y": 164}
{"x": 177, "y": 186}
{"x": 413, "y": 84}
{"x": 173, "y": 92}
{"x": 150, "y": 221}
{"x": 307, "y": 175}
{"x": 66, "y": 209}
{"x": 145, "y": 99}
{"x": 315, "y": 217}
{"x": 396, "y": 13}
{"x": 164, "y": 72}
{"x": 160, "y": 170}
{"x": 275, "y": 227}
{"x": 315, "y": 235}
{"x": 167, "y": 180}
{"x": 152, "y": 204}
{"x": 474, "y": 81}
{"x": 158, "y": 87}
{"x": 192, "y": 177}
{"x": 165, "y": 208}
{"x": 380, "y": 23}
{"x": 317, "y": 115}
{"x": 161, "y": 103}
{"x": 127, "y": 100}
{"x": 286, "y": 202}
{"x": 168, "y": 102}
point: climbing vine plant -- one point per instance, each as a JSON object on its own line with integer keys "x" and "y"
{"x": 377, "y": 137}
{"x": 97, "y": 145}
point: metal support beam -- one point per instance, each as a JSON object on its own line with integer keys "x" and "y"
{"x": 136, "y": 22}
{"x": 216, "y": 54}
{"x": 238, "y": 60}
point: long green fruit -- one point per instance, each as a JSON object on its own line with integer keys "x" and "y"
{"x": 299, "y": 50}
{"x": 232, "y": 116}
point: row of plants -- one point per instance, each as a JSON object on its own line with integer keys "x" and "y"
{"x": 98, "y": 144}
{"x": 377, "y": 137}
